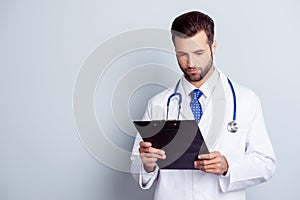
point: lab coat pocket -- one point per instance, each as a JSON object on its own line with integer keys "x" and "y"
{"x": 234, "y": 142}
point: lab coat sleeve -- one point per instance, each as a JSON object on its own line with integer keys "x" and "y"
{"x": 258, "y": 163}
{"x": 138, "y": 172}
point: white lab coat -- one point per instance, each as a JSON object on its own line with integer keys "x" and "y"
{"x": 249, "y": 152}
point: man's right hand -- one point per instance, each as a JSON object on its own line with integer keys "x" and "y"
{"x": 149, "y": 155}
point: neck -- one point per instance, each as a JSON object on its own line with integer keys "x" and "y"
{"x": 198, "y": 84}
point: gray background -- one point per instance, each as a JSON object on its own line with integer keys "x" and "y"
{"x": 44, "y": 43}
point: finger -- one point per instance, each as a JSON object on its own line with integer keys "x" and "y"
{"x": 153, "y": 155}
{"x": 145, "y": 144}
{"x": 144, "y": 150}
{"x": 208, "y": 162}
{"x": 157, "y": 151}
{"x": 149, "y": 160}
{"x": 205, "y": 164}
{"x": 146, "y": 147}
{"x": 215, "y": 160}
{"x": 217, "y": 168}
{"x": 209, "y": 156}
{"x": 205, "y": 156}
{"x": 214, "y": 171}
{"x": 209, "y": 168}
{"x": 152, "y": 150}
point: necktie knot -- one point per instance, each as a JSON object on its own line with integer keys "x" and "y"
{"x": 197, "y": 94}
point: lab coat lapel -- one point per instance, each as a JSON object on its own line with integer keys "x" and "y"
{"x": 212, "y": 127}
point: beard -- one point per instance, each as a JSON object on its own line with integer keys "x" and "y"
{"x": 195, "y": 77}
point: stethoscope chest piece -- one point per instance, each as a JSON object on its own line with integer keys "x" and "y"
{"x": 232, "y": 126}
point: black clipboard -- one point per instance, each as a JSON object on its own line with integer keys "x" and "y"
{"x": 180, "y": 139}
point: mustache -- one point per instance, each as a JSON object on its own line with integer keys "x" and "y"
{"x": 194, "y": 67}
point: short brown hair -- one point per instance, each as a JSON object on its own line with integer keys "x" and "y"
{"x": 190, "y": 23}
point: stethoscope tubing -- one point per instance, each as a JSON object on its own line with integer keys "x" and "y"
{"x": 232, "y": 126}
{"x": 234, "y": 99}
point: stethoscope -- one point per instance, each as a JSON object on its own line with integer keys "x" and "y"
{"x": 232, "y": 125}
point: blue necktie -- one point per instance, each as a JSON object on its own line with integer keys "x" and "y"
{"x": 195, "y": 105}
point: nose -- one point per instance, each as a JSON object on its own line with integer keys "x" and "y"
{"x": 191, "y": 62}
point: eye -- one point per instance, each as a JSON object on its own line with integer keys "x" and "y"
{"x": 199, "y": 53}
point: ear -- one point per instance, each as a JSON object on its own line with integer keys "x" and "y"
{"x": 214, "y": 47}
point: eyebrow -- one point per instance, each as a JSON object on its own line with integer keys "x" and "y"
{"x": 196, "y": 51}
{"x": 199, "y": 51}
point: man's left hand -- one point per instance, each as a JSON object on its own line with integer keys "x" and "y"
{"x": 214, "y": 163}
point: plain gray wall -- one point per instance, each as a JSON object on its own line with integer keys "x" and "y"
{"x": 43, "y": 45}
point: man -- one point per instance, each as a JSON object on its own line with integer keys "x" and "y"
{"x": 237, "y": 160}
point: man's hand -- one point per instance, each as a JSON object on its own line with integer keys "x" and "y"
{"x": 214, "y": 163}
{"x": 149, "y": 155}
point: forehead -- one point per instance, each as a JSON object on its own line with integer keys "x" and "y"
{"x": 198, "y": 41}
